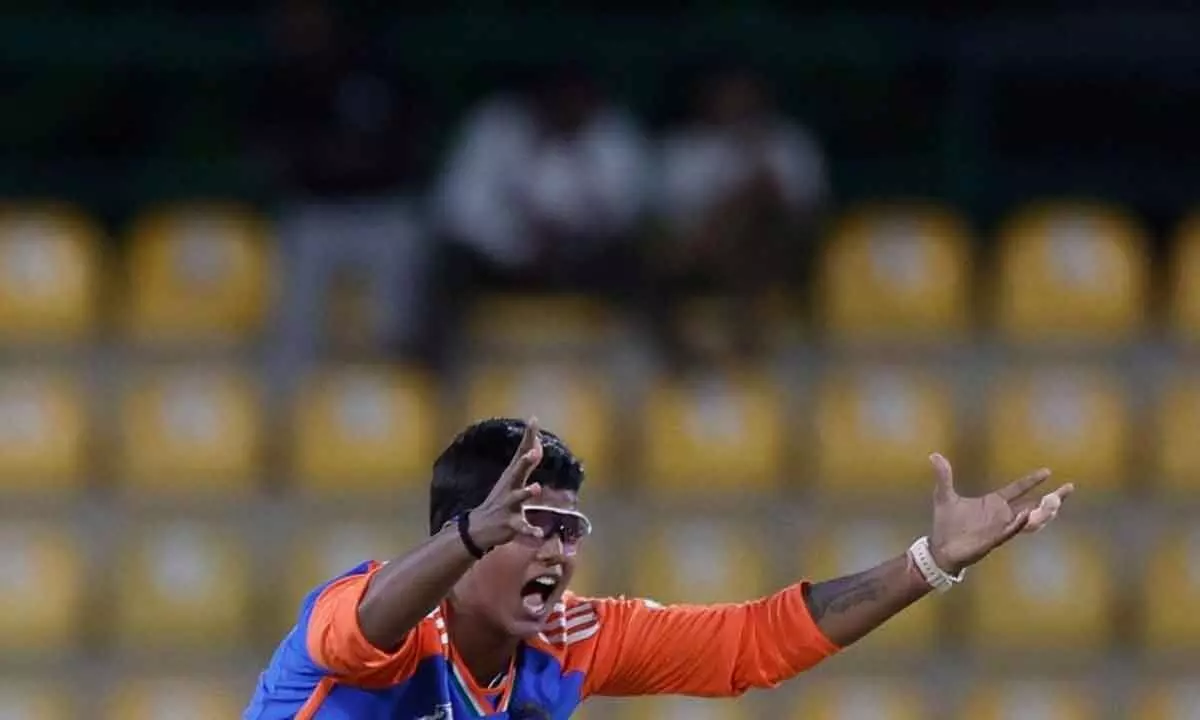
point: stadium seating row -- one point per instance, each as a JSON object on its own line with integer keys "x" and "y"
{"x": 847, "y": 698}
{"x": 205, "y": 429}
{"x": 901, "y": 271}
{"x": 184, "y": 584}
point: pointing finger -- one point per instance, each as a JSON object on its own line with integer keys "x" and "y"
{"x": 526, "y": 458}
{"x": 1017, "y": 488}
{"x": 944, "y": 488}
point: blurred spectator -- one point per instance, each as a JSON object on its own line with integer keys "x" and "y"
{"x": 742, "y": 186}
{"x": 544, "y": 189}
{"x": 345, "y": 137}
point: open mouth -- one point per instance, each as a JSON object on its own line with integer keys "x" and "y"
{"x": 536, "y": 593}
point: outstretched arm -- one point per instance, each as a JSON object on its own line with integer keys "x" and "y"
{"x": 964, "y": 531}
{"x": 724, "y": 650}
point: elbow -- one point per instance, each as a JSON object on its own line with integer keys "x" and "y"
{"x": 381, "y": 631}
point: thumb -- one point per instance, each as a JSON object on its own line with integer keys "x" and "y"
{"x": 943, "y": 488}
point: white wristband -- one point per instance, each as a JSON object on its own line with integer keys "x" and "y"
{"x": 938, "y": 579}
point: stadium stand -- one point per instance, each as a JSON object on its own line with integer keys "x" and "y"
{"x": 41, "y": 573}
{"x": 183, "y": 698}
{"x": 898, "y": 273}
{"x": 1166, "y": 699}
{"x": 364, "y": 429}
{"x": 190, "y": 429}
{"x": 1183, "y": 314}
{"x": 44, "y": 430}
{"x": 715, "y": 432}
{"x": 34, "y": 701}
{"x": 1071, "y": 271}
{"x": 1071, "y": 418}
{"x": 690, "y": 559}
{"x": 1174, "y": 452}
{"x": 901, "y": 414}
{"x": 880, "y": 698}
{"x": 181, "y": 584}
{"x": 50, "y": 274}
{"x": 198, "y": 273}
{"x": 1055, "y": 597}
{"x": 1052, "y": 700}
{"x": 1170, "y": 587}
{"x": 853, "y": 425}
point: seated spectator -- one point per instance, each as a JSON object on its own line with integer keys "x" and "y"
{"x": 742, "y": 186}
{"x": 544, "y": 189}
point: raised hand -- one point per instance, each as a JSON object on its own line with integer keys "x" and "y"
{"x": 499, "y": 518}
{"x": 966, "y": 529}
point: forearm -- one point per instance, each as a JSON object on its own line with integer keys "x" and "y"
{"x": 408, "y": 588}
{"x": 847, "y": 608}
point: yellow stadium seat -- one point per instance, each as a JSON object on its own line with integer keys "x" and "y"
{"x": 685, "y": 708}
{"x": 1170, "y": 594}
{"x": 184, "y": 698}
{"x": 1073, "y": 420}
{"x": 1167, "y": 699}
{"x": 716, "y": 433}
{"x": 20, "y": 700}
{"x": 323, "y": 550}
{"x": 860, "y": 699}
{"x": 190, "y": 429}
{"x": 1184, "y": 310}
{"x": 366, "y": 429}
{"x": 1053, "y": 597}
{"x": 1070, "y": 272}
{"x": 851, "y": 546}
{"x": 43, "y": 430}
{"x": 875, "y": 428}
{"x": 49, "y": 279}
{"x": 42, "y": 586}
{"x": 700, "y": 560}
{"x": 899, "y": 272}
{"x": 1031, "y": 700}
{"x": 1176, "y": 462}
{"x": 199, "y": 272}
{"x": 535, "y": 323}
{"x": 570, "y": 401}
{"x": 182, "y": 585}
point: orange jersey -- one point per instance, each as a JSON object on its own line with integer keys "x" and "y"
{"x": 590, "y": 646}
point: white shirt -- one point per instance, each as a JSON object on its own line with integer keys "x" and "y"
{"x": 503, "y": 173}
{"x": 703, "y": 165}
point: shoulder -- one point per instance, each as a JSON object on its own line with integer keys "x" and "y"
{"x": 577, "y": 621}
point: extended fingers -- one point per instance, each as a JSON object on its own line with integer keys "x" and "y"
{"x": 1047, "y": 508}
{"x": 1019, "y": 487}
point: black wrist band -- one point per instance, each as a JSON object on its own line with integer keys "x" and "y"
{"x": 464, "y": 527}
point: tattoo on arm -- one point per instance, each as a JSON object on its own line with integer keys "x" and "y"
{"x": 842, "y": 594}
{"x": 849, "y": 607}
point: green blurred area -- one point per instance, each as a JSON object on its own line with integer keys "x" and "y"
{"x": 117, "y": 108}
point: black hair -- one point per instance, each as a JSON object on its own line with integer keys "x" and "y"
{"x": 469, "y": 467}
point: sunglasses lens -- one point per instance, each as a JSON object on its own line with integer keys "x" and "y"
{"x": 571, "y": 528}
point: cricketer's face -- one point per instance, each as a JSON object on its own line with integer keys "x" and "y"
{"x": 517, "y": 585}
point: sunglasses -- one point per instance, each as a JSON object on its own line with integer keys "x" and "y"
{"x": 570, "y": 525}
